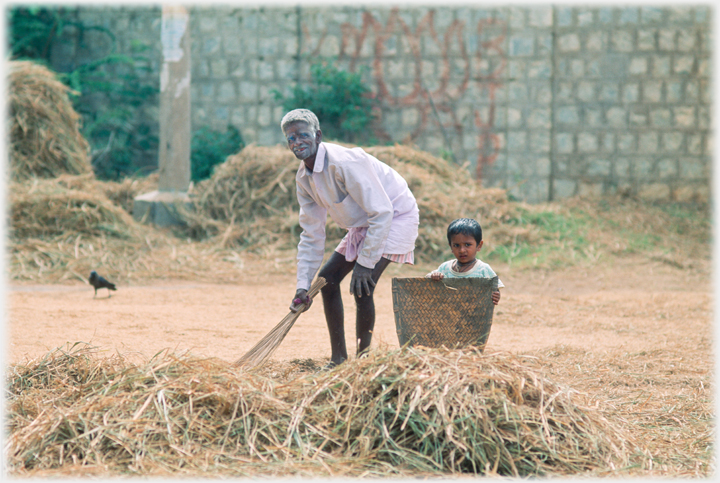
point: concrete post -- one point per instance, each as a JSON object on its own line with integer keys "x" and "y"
{"x": 161, "y": 207}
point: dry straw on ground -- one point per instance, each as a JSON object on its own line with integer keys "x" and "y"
{"x": 404, "y": 412}
{"x": 45, "y": 139}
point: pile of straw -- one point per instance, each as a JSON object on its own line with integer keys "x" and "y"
{"x": 250, "y": 200}
{"x": 66, "y": 207}
{"x": 45, "y": 139}
{"x": 64, "y": 227}
{"x": 404, "y": 412}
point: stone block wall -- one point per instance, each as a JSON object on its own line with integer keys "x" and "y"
{"x": 545, "y": 101}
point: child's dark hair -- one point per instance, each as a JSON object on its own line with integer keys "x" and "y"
{"x": 465, "y": 226}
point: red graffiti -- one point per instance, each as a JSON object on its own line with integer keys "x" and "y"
{"x": 441, "y": 101}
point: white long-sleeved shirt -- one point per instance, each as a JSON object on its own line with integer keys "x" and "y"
{"x": 356, "y": 190}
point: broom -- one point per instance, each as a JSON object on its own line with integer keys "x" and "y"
{"x": 267, "y": 345}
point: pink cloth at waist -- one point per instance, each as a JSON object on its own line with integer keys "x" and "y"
{"x": 352, "y": 244}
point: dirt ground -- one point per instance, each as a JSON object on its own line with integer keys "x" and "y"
{"x": 631, "y": 306}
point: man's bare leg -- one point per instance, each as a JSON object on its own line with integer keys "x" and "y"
{"x": 334, "y": 271}
{"x": 365, "y": 310}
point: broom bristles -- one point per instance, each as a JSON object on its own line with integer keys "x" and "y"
{"x": 267, "y": 345}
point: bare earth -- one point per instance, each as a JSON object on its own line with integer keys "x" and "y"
{"x": 633, "y": 306}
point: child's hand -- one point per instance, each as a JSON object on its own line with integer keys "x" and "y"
{"x": 496, "y": 297}
{"x": 435, "y": 275}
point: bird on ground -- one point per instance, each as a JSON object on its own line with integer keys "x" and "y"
{"x": 99, "y": 282}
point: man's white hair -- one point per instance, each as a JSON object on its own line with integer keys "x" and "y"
{"x": 301, "y": 115}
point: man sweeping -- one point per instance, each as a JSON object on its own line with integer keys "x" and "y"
{"x": 366, "y": 197}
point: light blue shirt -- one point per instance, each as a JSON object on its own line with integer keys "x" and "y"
{"x": 480, "y": 270}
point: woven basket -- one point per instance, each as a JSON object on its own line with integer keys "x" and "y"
{"x": 454, "y": 312}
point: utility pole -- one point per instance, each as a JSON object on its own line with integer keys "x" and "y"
{"x": 161, "y": 206}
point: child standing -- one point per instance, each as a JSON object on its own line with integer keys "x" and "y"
{"x": 465, "y": 239}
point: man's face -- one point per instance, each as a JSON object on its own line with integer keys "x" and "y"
{"x": 301, "y": 141}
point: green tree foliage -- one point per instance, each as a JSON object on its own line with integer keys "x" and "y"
{"x": 210, "y": 148}
{"x": 342, "y": 102}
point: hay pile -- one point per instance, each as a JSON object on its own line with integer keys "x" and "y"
{"x": 405, "y": 412}
{"x": 45, "y": 139}
{"x": 250, "y": 200}
{"x": 62, "y": 228}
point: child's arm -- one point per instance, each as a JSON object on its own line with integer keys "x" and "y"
{"x": 496, "y": 297}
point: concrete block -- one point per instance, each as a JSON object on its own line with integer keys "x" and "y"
{"x": 161, "y": 208}
{"x": 522, "y": 45}
{"x": 540, "y": 69}
{"x": 629, "y": 15}
{"x": 587, "y": 142}
{"x": 660, "y": 66}
{"x": 517, "y": 17}
{"x": 695, "y": 144}
{"x": 609, "y": 92}
{"x": 540, "y": 142}
{"x": 703, "y": 117}
{"x": 539, "y": 118}
{"x": 654, "y": 191}
{"x": 564, "y": 16}
{"x": 631, "y": 92}
{"x": 672, "y": 141}
{"x": 626, "y": 143}
{"x": 666, "y": 39}
{"x": 514, "y": 117}
{"x": 622, "y": 41}
{"x": 564, "y": 143}
{"x": 680, "y": 14}
{"x": 564, "y": 188}
{"x": 646, "y": 39}
{"x": 652, "y": 91}
{"x": 642, "y": 166}
{"x": 222, "y": 114}
{"x": 651, "y": 15}
{"x": 589, "y": 189}
{"x": 683, "y": 65}
{"x": 596, "y": 41}
{"x": 622, "y": 167}
{"x": 686, "y": 40}
{"x": 577, "y": 68}
{"x": 569, "y": 43}
{"x": 638, "y": 66}
{"x": 599, "y": 168}
{"x": 606, "y": 15}
{"x": 616, "y": 117}
{"x": 541, "y": 94}
{"x": 564, "y": 91}
{"x": 410, "y": 117}
{"x": 693, "y": 168}
{"x": 593, "y": 117}
{"x": 211, "y": 45}
{"x": 540, "y": 16}
{"x": 684, "y": 117}
{"x": 648, "y": 142}
{"x": 516, "y": 141}
{"x": 608, "y": 143}
{"x": 567, "y": 115}
{"x": 585, "y": 17}
{"x": 248, "y": 91}
{"x": 586, "y": 91}
{"x": 667, "y": 168}
{"x": 660, "y": 117}
{"x": 673, "y": 91}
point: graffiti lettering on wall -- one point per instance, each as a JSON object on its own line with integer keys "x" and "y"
{"x": 405, "y": 75}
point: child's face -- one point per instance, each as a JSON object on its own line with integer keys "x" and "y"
{"x": 464, "y": 247}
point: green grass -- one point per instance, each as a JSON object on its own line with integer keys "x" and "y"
{"x": 582, "y": 231}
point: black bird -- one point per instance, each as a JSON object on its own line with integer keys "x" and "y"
{"x": 98, "y": 282}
